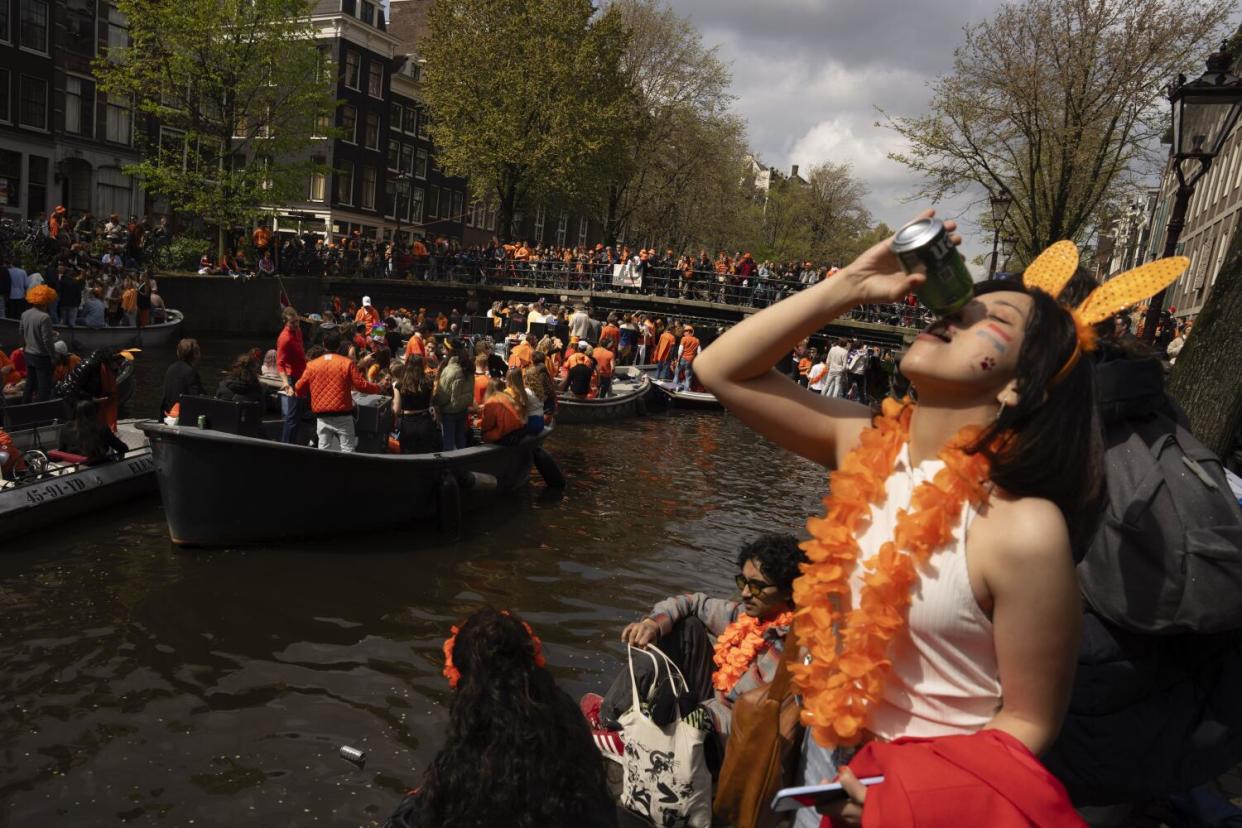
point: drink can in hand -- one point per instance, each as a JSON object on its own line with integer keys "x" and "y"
{"x": 923, "y": 246}
{"x": 202, "y": 420}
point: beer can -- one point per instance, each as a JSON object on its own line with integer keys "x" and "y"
{"x": 352, "y": 754}
{"x": 202, "y": 420}
{"x": 923, "y": 246}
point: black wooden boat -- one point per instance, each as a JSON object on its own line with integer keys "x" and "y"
{"x": 629, "y": 391}
{"x": 223, "y": 489}
{"x": 85, "y": 340}
{"x": 56, "y": 490}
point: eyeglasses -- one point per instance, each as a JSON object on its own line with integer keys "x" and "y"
{"x": 756, "y": 587}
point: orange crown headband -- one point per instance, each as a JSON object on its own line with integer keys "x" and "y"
{"x": 450, "y": 670}
{"x": 1052, "y": 270}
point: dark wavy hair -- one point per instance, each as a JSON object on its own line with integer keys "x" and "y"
{"x": 518, "y": 751}
{"x": 1055, "y": 451}
{"x": 777, "y": 555}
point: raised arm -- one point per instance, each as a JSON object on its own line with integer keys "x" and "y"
{"x": 738, "y": 367}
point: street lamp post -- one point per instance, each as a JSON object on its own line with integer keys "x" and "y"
{"x": 1008, "y": 244}
{"x": 1204, "y": 113}
{"x": 1001, "y": 202}
{"x": 400, "y": 186}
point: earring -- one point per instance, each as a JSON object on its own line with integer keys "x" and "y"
{"x": 1000, "y": 411}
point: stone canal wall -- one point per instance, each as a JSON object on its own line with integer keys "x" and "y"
{"x": 223, "y": 305}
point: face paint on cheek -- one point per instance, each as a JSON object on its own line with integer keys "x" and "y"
{"x": 992, "y": 339}
{"x": 987, "y": 363}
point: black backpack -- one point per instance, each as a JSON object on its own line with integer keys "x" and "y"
{"x": 1168, "y": 554}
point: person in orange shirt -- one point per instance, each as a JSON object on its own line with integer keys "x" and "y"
{"x": 523, "y": 354}
{"x": 501, "y": 422}
{"x": 417, "y": 344}
{"x": 610, "y": 331}
{"x": 330, "y": 379}
{"x": 482, "y": 385}
{"x": 8, "y": 372}
{"x": 804, "y": 367}
{"x": 419, "y": 252}
{"x": 13, "y": 461}
{"x": 685, "y": 359}
{"x": 442, "y": 322}
{"x": 664, "y": 352}
{"x": 605, "y": 359}
{"x": 367, "y": 314}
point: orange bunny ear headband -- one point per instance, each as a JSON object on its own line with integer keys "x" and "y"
{"x": 1052, "y": 270}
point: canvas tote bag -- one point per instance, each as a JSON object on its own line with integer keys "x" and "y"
{"x": 666, "y": 780}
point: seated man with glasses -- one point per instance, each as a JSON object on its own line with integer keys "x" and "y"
{"x": 723, "y": 647}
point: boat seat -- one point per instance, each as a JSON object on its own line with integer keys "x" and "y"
{"x": 242, "y": 418}
{"x": 67, "y": 456}
{"x": 34, "y": 414}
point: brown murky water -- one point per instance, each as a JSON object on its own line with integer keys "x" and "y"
{"x": 146, "y": 685}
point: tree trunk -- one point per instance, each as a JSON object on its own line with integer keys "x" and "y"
{"x": 611, "y": 221}
{"x": 1206, "y": 380}
{"x": 220, "y": 252}
{"x": 508, "y": 206}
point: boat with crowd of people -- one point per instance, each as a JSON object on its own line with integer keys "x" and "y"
{"x": 673, "y": 398}
{"x": 162, "y": 335}
{"x": 34, "y": 424}
{"x": 230, "y": 483}
{"x": 630, "y": 387}
{"x": 56, "y": 486}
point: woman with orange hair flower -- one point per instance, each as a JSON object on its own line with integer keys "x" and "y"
{"x": 38, "y": 343}
{"x": 516, "y": 750}
{"x": 940, "y": 601}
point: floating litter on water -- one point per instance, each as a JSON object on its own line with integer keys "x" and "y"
{"x": 352, "y": 754}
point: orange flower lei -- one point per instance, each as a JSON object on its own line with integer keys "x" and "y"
{"x": 738, "y": 645}
{"x": 454, "y": 675}
{"x": 844, "y": 680}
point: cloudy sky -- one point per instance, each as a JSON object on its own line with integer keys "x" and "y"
{"x": 809, "y": 74}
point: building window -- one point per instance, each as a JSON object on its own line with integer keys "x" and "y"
{"x": 368, "y": 12}
{"x": 33, "y": 112}
{"x": 118, "y": 34}
{"x": 81, "y": 33}
{"x": 375, "y": 81}
{"x": 345, "y": 183}
{"x": 36, "y": 186}
{"x": 416, "y": 205}
{"x": 79, "y": 106}
{"x": 117, "y": 123}
{"x": 172, "y": 147}
{"x": 407, "y": 159}
{"x": 491, "y": 218}
{"x": 394, "y": 155}
{"x": 372, "y": 131}
{"x": 352, "y": 69}
{"x": 322, "y": 124}
{"x": 424, "y": 124}
{"x": 318, "y": 186}
{"x": 10, "y": 177}
{"x": 562, "y": 229}
{"x": 368, "y": 188}
{"x": 33, "y": 24}
{"x": 420, "y": 164}
{"x": 433, "y": 202}
{"x": 349, "y": 124}
{"x": 411, "y": 120}
{"x": 5, "y": 115}
{"x": 394, "y": 117}
{"x": 459, "y": 206}
{"x": 582, "y": 231}
{"x": 4, "y": 22}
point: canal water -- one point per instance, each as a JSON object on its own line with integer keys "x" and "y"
{"x": 142, "y": 684}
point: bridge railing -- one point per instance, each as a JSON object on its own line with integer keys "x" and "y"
{"x": 667, "y": 283}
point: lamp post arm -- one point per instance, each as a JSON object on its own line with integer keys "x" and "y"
{"x": 1177, "y": 223}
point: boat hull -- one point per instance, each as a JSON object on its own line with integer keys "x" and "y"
{"x": 227, "y": 490}
{"x": 572, "y": 411}
{"x": 46, "y": 436}
{"x": 84, "y": 340}
{"x": 698, "y": 400}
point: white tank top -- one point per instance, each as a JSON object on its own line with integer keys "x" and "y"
{"x": 944, "y": 680}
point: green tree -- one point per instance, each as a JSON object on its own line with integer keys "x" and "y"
{"x": 234, "y": 91}
{"x": 526, "y": 97}
{"x": 1056, "y": 101}
{"x": 676, "y": 119}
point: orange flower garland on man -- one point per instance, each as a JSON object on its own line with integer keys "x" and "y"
{"x": 941, "y": 598}
{"x": 724, "y": 647}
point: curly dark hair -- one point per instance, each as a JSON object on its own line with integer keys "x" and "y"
{"x": 518, "y": 751}
{"x": 777, "y": 555}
